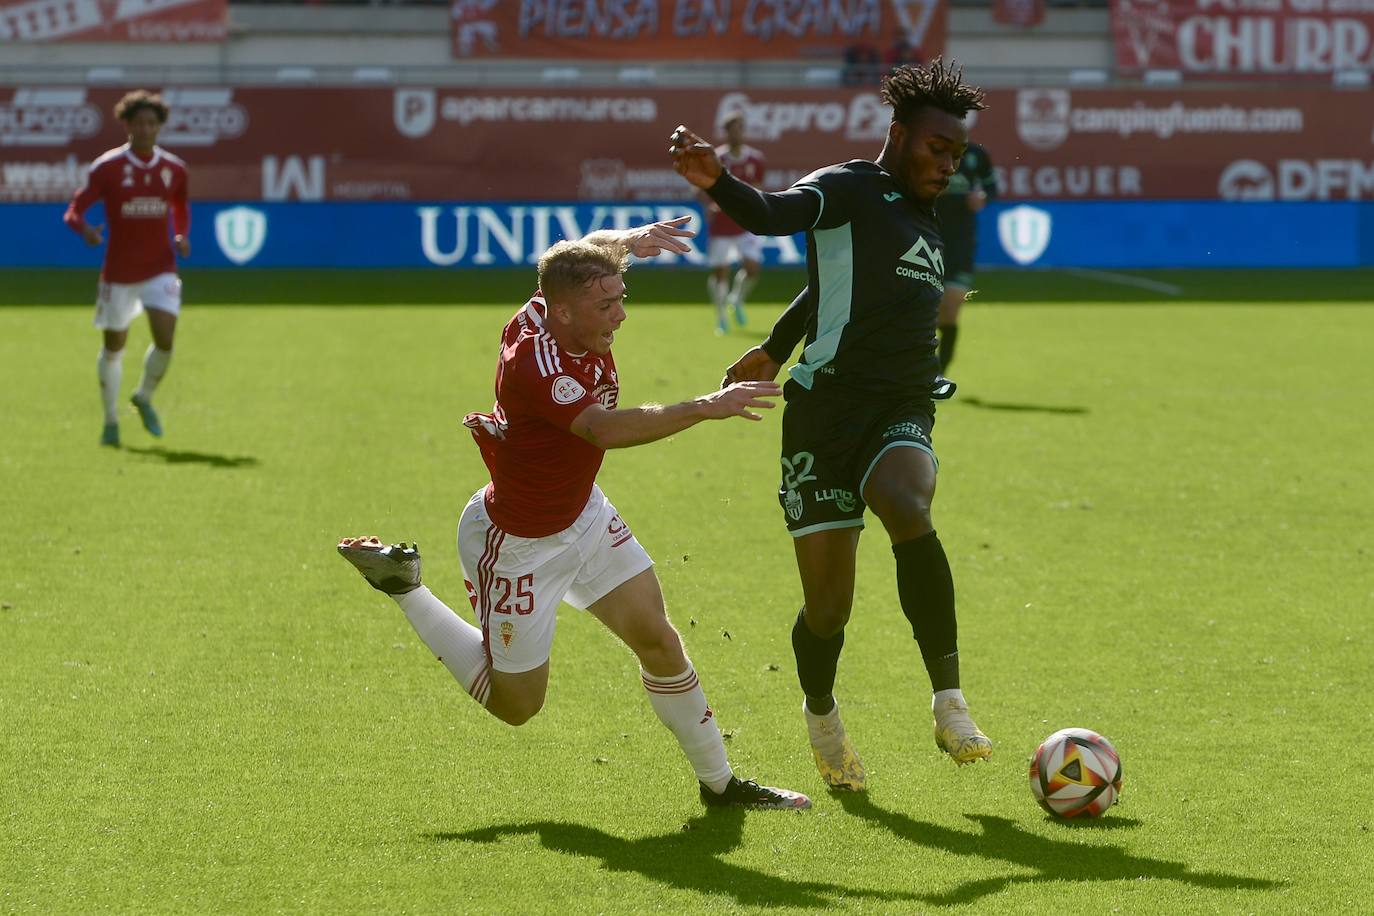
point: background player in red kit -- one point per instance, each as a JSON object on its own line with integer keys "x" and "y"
{"x": 730, "y": 243}
{"x": 543, "y": 532}
{"x": 139, "y": 184}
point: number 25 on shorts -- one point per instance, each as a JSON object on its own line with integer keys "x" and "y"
{"x": 522, "y": 590}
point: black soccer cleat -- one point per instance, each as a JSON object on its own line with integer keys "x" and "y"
{"x": 745, "y": 793}
{"x": 390, "y": 568}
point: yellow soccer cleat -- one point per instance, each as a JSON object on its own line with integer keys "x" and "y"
{"x": 956, "y": 735}
{"x": 838, "y": 764}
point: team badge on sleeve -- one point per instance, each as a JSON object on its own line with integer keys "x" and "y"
{"x": 568, "y": 390}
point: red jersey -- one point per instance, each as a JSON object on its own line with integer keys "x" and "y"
{"x": 748, "y": 168}
{"x": 541, "y": 472}
{"x": 138, "y": 196}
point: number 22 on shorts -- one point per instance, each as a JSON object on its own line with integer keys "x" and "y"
{"x": 797, "y": 471}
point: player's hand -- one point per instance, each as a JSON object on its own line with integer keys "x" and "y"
{"x": 694, "y": 158}
{"x": 754, "y": 366}
{"x": 656, "y": 238}
{"x": 93, "y": 235}
{"x": 735, "y": 400}
{"x": 183, "y": 246}
{"x": 977, "y": 200}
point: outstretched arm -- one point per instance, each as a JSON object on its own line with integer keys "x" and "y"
{"x": 625, "y": 428}
{"x": 647, "y": 241}
{"x": 762, "y": 213}
{"x": 766, "y": 212}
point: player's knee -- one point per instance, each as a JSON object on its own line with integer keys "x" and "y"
{"x": 660, "y": 648}
{"x": 828, "y": 617}
{"x": 902, "y": 510}
{"x": 518, "y": 711}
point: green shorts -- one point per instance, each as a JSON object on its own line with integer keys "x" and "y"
{"x": 831, "y": 441}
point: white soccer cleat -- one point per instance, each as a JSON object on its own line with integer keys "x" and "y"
{"x": 836, "y": 761}
{"x": 390, "y": 568}
{"x": 956, "y": 735}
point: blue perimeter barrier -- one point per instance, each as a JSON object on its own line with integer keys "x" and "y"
{"x": 1126, "y": 234}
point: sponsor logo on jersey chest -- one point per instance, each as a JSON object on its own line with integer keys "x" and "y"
{"x": 929, "y": 261}
{"x": 143, "y": 208}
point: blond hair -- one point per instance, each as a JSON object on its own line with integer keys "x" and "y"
{"x": 569, "y": 266}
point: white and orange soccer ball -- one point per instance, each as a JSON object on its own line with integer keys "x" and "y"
{"x": 1075, "y": 773}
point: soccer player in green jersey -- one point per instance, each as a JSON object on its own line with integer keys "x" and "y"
{"x": 971, "y": 186}
{"x": 860, "y": 403}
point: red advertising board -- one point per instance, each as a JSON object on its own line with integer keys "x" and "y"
{"x": 461, "y": 144}
{"x": 124, "y": 20}
{"x": 1024, "y": 13}
{"x": 693, "y": 29}
{"x": 1230, "y": 39}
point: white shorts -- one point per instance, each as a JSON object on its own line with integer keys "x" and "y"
{"x": 118, "y": 304}
{"x": 727, "y": 249}
{"x": 515, "y": 584}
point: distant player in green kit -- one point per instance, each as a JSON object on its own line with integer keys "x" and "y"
{"x": 971, "y": 186}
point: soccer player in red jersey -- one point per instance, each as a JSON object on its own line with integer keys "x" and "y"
{"x": 140, "y": 184}
{"x": 730, "y": 242}
{"x": 542, "y": 531}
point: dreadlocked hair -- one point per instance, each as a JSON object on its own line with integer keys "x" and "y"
{"x": 909, "y": 89}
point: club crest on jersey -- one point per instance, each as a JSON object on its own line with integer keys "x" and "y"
{"x": 568, "y": 390}
{"x": 507, "y": 633}
{"x": 166, "y": 175}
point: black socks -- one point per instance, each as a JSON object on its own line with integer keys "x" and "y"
{"x": 925, "y": 587}
{"x": 817, "y": 660}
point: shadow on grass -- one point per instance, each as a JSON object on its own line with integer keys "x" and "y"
{"x": 172, "y": 456}
{"x": 688, "y": 859}
{"x": 973, "y": 401}
{"x": 1001, "y": 840}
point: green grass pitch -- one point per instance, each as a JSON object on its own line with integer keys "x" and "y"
{"x": 1159, "y": 518}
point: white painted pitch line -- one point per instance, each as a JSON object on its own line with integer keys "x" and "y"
{"x": 1157, "y": 286}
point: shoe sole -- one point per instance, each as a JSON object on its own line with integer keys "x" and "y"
{"x": 801, "y": 803}
{"x": 963, "y": 761}
{"x": 381, "y": 571}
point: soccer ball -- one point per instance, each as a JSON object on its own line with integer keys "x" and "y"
{"x": 1075, "y": 773}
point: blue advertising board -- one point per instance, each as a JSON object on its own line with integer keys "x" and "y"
{"x": 1121, "y": 235}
